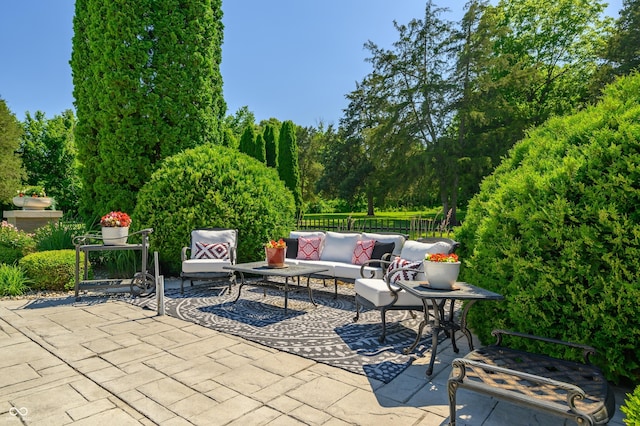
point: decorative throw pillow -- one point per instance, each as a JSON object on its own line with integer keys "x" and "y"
{"x": 379, "y": 250}
{"x": 309, "y": 248}
{"x": 292, "y": 247}
{"x": 211, "y": 251}
{"x": 408, "y": 275}
{"x": 363, "y": 251}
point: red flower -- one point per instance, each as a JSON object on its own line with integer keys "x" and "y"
{"x": 116, "y": 219}
{"x": 441, "y": 257}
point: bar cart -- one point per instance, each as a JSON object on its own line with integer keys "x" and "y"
{"x": 141, "y": 284}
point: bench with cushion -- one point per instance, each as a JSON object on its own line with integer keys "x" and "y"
{"x": 569, "y": 389}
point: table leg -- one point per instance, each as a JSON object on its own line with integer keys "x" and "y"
{"x": 286, "y": 293}
{"x": 424, "y": 321}
{"x": 310, "y": 292}
{"x": 463, "y": 323}
{"x": 453, "y": 327}
{"x": 239, "y": 287}
{"x": 434, "y": 335}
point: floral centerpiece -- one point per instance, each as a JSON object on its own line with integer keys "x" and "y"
{"x": 275, "y": 253}
{"x": 116, "y": 219}
{"x": 31, "y": 191}
{"x": 441, "y": 270}
{"x": 115, "y": 228}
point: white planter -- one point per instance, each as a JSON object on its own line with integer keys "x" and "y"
{"x": 114, "y": 235}
{"x": 441, "y": 275}
{"x": 32, "y": 203}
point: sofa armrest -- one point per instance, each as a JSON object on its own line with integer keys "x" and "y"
{"x": 183, "y": 254}
{"x": 369, "y": 274}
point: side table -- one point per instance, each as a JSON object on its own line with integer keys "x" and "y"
{"x": 142, "y": 283}
{"x": 439, "y": 299}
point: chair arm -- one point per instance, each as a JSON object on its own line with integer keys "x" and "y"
{"x": 183, "y": 255}
{"x": 573, "y": 392}
{"x": 233, "y": 255}
{"x": 383, "y": 264}
{"x": 586, "y": 349}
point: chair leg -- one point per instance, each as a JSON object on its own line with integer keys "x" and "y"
{"x": 383, "y": 336}
{"x": 355, "y": 319}
{"x": 335, "y": 286}
{"x": 181, "y": 285}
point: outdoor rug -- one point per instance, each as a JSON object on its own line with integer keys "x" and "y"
{"x": 325, "y": 333}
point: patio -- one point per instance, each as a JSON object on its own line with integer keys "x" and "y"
{"x": 105, "y": 360}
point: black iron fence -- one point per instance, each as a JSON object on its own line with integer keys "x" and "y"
{"x": 415, "y": 228}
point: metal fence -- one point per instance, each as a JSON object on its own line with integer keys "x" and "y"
{"x": 417, "y": 227}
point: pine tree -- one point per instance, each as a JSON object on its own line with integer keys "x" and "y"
{"x": 147, "y": 85}
{"x": 288, "y": 161}
{"x": 271, "y": 146}
{"x": 11, "y": 170}
{"x": 260, "y": 153}
{"x": 248, "y": 141}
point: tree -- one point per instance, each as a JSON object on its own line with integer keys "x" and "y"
{"x": 271, "y": 145}
{"x": 248, "y": 141}
{"x": 11, "y": 172}
{"x": 288, "y": 168}
{"x": 239, "y": 121}
{"x": 311, "y": 142}
{"x": 623, "y": 48}
{"x": 260, "y": 153}
{"x": 147, "y": 85}
{"x": 49, "y": 155}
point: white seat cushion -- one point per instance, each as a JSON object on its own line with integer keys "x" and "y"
{"x": 329, "y": 265}
{"x": 343, "y": 270}
{"x": 195, "y": 266}
{"x": 376, "y": 291}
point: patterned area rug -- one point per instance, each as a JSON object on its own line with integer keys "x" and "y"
{"x": 324, "y": 333}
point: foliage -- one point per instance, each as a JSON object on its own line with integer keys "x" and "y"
{"x": 31, "y": 191}
{"x": 49, "y": 156}
{"x": 288, "y": 168}
{"x": 14, "y": 243}
{"x": 238, "y": 122}
{"x": 57, "y": 236}
{"x": 260, "y": 153}
{"x": 213, "y": 187}
{"x": 11, "y": 171}
{"x": 115, "y": 220}
{"x": 52, "y": 270}
{"x": 631, "y": 408}
{"x": 623, "y": 48}
{"x": 147, "y": 85}
{"x": 271, "y": 145}
{"x": 13, "y": 281}
{"x": 248, "y": 141}
{"x": 310, "y": 143}
{"x": 556, "y": 230}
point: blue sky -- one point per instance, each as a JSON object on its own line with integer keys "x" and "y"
{"x": 288, "y": 59}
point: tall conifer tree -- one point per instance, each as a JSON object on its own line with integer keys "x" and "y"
{"x": 288, "y": 161}
{"x": 271, "y": 146}
{"x": 147, "y": 85}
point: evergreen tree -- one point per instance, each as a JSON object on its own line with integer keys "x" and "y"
{"x": 288, "y": 161}
{"x": 248, "y": 141}
{"x": 260, "y": 153}
{"x": 11, "y": 170}
{"x": 147, "y": 85}
{"x": 271, "y": 146}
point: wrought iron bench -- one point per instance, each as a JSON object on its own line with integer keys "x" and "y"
{"x": 568, "y": 389}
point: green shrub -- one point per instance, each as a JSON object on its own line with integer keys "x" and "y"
{"x": 13, "y": 281}
{"x": 631, "y": 408}
{"x": 52, "y": 270}
{"x": 213, "y": 186}
{"x": 14, "y": 243}
{"x": 57, "y": 236}
{"x": 556, "y": 230}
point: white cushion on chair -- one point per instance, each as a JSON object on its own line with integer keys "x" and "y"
{"x": 195, "y": 266}
{"x": 376, "y": 291}
{"x": 212, "y": 236}
{"x": 386, "y": 238}
{"x": 416, "y": 251}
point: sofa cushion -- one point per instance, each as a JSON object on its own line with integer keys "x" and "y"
{"x": 408, "y": 275}
{"x": 414, "y": 250}
{"x": 306, "y": 234}
{"x": 379, "y": 250}
{"x": 309, "y": 248}
{"x": 292, "y": 247}
{"x": 212, "y": 236}
{"x": 329, "y": 265}
{"x": 339, "y": 247}
{"x": 386, "y": 238}
{"x": 351, "y": 272}
{"x": 375, "y": 290}
{"x": 192, "y": 266}
{"x": 211, "y": 250}
{"x": 362, "y": 252}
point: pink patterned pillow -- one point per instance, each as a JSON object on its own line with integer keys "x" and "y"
{"x": 211, "y": 251}
{"x": 363, "y": 251}
{"x": 309, "y": 248}
{"x": 410, "y": 275}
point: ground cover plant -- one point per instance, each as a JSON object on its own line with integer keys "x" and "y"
{"x": 556, "y": 230}
{"x": 213, "y": 187}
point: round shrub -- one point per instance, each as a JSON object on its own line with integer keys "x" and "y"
{"x": 213, "y": 187}
{"x": 556, "y": 230}
{"x": 52, "y": 270}
{"x": 14, "y": 243}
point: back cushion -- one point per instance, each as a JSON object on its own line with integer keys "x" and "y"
{"x": 309, "y": 248}
{"x": 363, "y": 251}
{"x": 209, "y": 236}
{"x": 211, "y": 251}
{"x": 339, "y": 247}
{"x": 292, "y": 247}
{"x": 414, "y": 250}
{"x": 386, "y": 238}
{"x": 379, "y": 250}
{"x": 408, "y": 275}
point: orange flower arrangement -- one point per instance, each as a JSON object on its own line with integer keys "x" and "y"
{"x": 276, "y": 244}
{"x": 441, "y": 257}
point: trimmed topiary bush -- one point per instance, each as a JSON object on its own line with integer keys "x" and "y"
{"x": 14, "y": 243}
{"x": 556, "y": 230}
{"x": 52, "y": 270}
{"x": 208, "y": 187}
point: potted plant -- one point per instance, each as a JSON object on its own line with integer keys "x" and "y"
{"x": 275, "y": 253}
{"x": 441, "y": 269}
{"x": 31, "y": 198}
{"x": 115, "y": 228}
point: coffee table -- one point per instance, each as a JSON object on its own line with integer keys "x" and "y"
{"x": 439, "y": 299}
{"x": 289, "y": 271}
